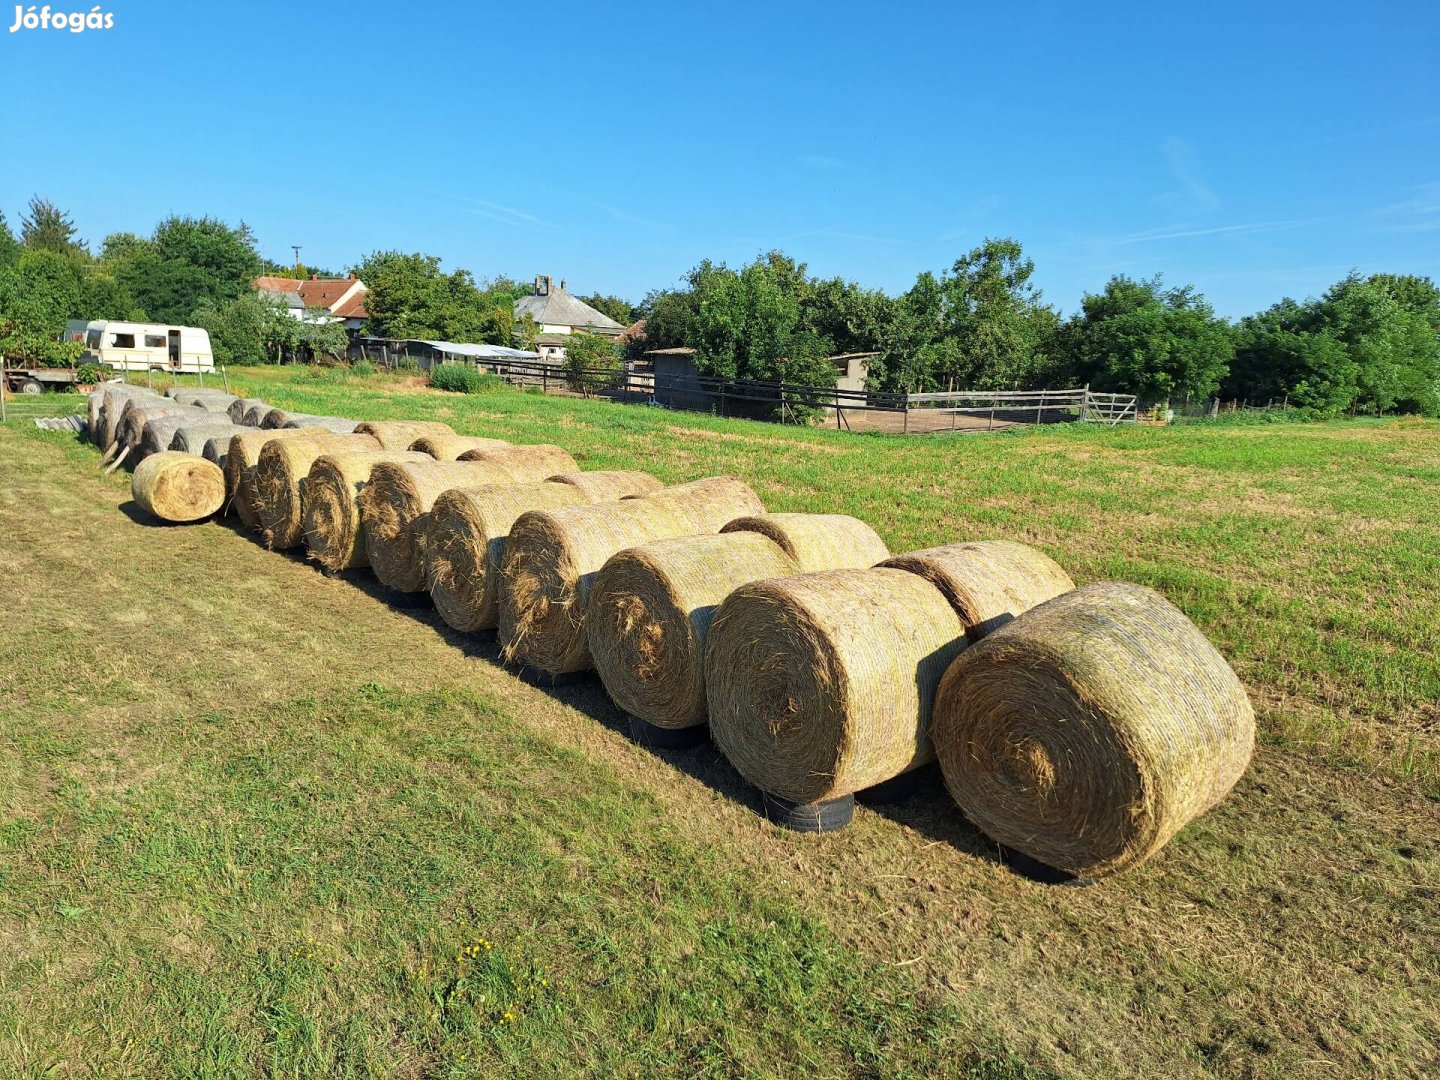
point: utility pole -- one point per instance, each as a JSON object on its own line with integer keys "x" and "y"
{"x": 296, "y": 249}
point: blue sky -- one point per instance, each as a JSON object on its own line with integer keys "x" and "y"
{"x": 1254, "y": 150}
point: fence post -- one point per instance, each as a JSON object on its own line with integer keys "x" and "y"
{"x": 1085, "y": 404}
{"x": 905, "y": 426}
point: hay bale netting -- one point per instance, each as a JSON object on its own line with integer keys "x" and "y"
{"x": 276, "y": 418}
{"x": 393, "y": 503}
{"x": 450, "y": 447}
{"x": 160, "y": 432}
{"x": 651, "y": 606}
{"x": 989, "y": 582}
{"x": 552, "y": 557}
{"x": 240, "y": 461}
{"x": 240, "y": 409}
{"x": 533, "y": 461}
{"x": 279, "y": 473}
{"x": 330, "y": 508}
{"x": 400, "y": 434}
{"x": 1090, "y": 729}
{"x": 823, "y": 684}
{"x": 178, "y": 487}
{"x": 101, "y": 410}
{"x": 194, "y": 438}
{"x": 136, "y": 417}
{"x": 466, "y": 530}
{"x": 257, "y": 414}
{"x": 336, "y": 425}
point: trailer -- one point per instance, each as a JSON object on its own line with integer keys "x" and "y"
{"x": 38, "y": 380}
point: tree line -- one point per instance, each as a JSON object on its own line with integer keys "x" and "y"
{"x": 1369, "y": 344}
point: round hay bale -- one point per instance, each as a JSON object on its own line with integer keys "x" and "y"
{"x": 400, "y": 434}
{"x": 466, "y": 530}
{"x": 178, "y": 487}
{"x": 279, "y": 472}
{"x": 989, "y": 582}
{"x": 330, "y": 510}
{"x": 531, "y": 462}
{"x": 256, "y": 415}
{"x": 552, "y": 557}
{"x": 818, "y": 541}
{"x": 607, "y": 486}
{"x": 102, "y": 410}
{"x": 240, "y": 408}
{"x": 822, "y": 685}
{"x": 393, "y": 502}
{"x": 450, "y": 447}
{"x": 137, "y": 414}
{"x": 1090, "y": 729}
{"x": 651, "y": 606}
{"x": 215, "y": 403}
{"x": 193, "y": 438}
{"x": 276, "y": 418}
{"x": 240, "y": 461}
{"x": 160, "y": 432}
{"x": 336, "y": 425}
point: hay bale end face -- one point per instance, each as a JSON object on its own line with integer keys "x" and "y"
{"x": 822, "y": 685}
{"x": 393, "y": 502}
{"x": 194, "y": 438}
{"x": 989, "y": 582}
{"x": 526, "y": 463}
{"x": 400, "y": 434}
{"x": 450, "y": 447}
{"x": 240, "y": 459}
{"x": 255, "y": 415}
{"x": 466, "y": 531}
{"x": 178, "y": 487}
{"x": 651, "y": 606}
{"x": 552, "y": 557}
{"x": 278, "y": 474}
{"x": 330, "y": 509}
{"x": 240, "y": 408}
{"x": 1090, "y": 729}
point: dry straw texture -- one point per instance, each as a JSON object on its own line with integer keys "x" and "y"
{"x": 609, "y": 485}
{"x": 989, "y": 582}
{"x": 256, "y": 415}
{"x": 400, "y": 434}
{"x": 821, "y": 685}
{"x": 533, "y": 462}
{"x": 178, "y": 487}
{"x": 465, "y": 534}
{"x": 159, "y": 433}
{"x": 331, "y": 510}
{"x": 275, "y": 418}
{"x": 450, "y": 447}
{"x": 1089, "y": 730}
{"x": 105, "y": 413}
{"x": 651, "y": 606}
{"x": 193, "y": 438}
{"x": 240, "y": 408}
{"x": 240, "y": 461}
{"x": 553, "y": 556}
{"x": 393, "y": 502}
{"x": 279, "y": 473}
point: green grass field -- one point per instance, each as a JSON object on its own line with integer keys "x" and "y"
{"x": 255, "y": 821}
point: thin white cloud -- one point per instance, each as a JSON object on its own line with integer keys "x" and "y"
{"x": 1420, "y": 213}
{"x": 1181, "y": 234}
{"x": 1193, "y": 196}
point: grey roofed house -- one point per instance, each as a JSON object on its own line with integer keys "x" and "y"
{"x": 554, "y": 309}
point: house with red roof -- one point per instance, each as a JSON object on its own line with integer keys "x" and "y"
{"x": 341, "y": 298}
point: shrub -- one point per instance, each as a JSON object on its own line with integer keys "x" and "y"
{"x": 458, "y": 378}
{"x": 362, "y": 367}
{"x": 592, "y": 363}
{"x": 89, "y": 375}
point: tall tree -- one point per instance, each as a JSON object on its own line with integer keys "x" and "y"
{"x": 37, "y": 295}
{"x": 411, "y": 297}
{"x": 45, "y": 227}
{"x": 996, "y": 317}
{"x": 622, "y": 311}
{"x": 10, "y": 247}
{"x": 187, "y": 264}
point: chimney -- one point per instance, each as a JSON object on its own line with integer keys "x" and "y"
{"x": 562, "y": 284}
{"x": 314, "y": 277}
{"x": 351, "y": 277}
{"x": 542, "y": 285}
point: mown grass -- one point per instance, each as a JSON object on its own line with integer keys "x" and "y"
{"x": 256, "y": 821}
{"x": 1309, "y": 552}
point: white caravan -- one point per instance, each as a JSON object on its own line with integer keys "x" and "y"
{"x": 129, "y": 346}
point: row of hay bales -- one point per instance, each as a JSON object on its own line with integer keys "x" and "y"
{"x": 1081, "y": 727}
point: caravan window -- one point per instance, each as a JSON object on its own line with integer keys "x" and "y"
{"x": 92, "y": 339}
{"x": 124, "y": 341}
{"x": 154, "y": 341}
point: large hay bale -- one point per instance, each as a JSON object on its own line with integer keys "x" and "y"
{"x": 552, "y": 557}
{"x": 651, "y": 606}
{"x": 392, "y": 504}
{"x": 105, "y": 404}
{"x": 450, "y": 447}
{"x": 257, "y": 414}
{"x": 276, "y": 418}
{"x": 989, "y": 582}
{"x": 1089, "y": 730}
{"x": 240, "y": 461}
{"x": 399, "y": 434}
{"x": 336, "y": 425}
{"x": 178, "y": 487}
{"x": 135, "y": 416}
{"x": 279, "y": 473}
{"x": 240, "y": 408}
{"x": 822, "y": 685}
{"x": 535, "y": 461}
{"x": 193, "y": 438}
{"x": 330, "y": 509}
{"x": 466, "y": 530}
{"x": 160, "y": 432}
{"x": 609, "y": 485}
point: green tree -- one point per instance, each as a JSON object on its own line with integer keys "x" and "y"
{"x": 669, "y": 316}
{"x": 1287, "y": 353}
{"x": 10, "y": 247}
{"x": 622, "y": 311}
{"x": 592, "y": 362}
{"x": 411, "y": 297}
{"x": 1138, "y": 337}
{"x": 995, "y": 316}
{"x": 37, "y": 295}
{"x": 47, "y": 228}
{"x": 188, "y": 264}
{"x": 1389, "y": 328}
